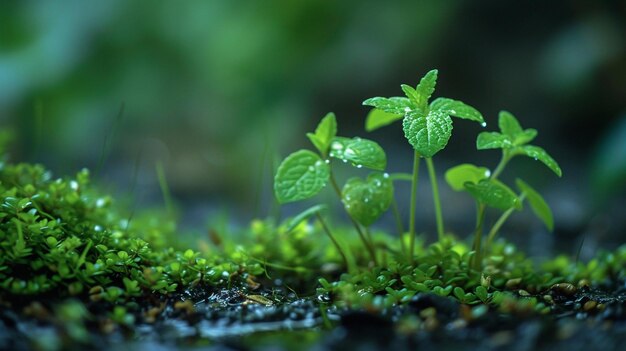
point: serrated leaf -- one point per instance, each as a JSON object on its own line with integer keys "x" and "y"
{"x": 427, "y": 134}
{"x": 538, "y": 205}
{"x": 411, "y": 93}
{"x": 539, "y": 154}
{"x": 425, "y": 89}
{"x": 360, "y": 152}
{"x": 378, "y": 118}
{"x": 508, "y": 124}
{"x": 493, "y": 194}
{"x": 396, "y": 105}
{"x": 324, "y": 133}
{"x": 304, "y": 215}
{"x": 458, "y": 109}
{"x": 459, "y": 175}
{"x": 367, "y": 200}
{"x": 493, "y": 140}
{"x": 300, "y": 176}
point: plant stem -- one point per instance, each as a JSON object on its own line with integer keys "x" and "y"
{"x": 416, "y": 166}
{"x": 496, "y": 227}
{"x": 476, "y": 246}
{"x": 500, "y": 167}
{"x": 436, "y": 200}
{"x": 332, "y": 238}
{"x": 368, "y": 246}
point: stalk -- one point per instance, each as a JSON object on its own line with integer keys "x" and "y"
{"x": 416, "y": 166}
{"x": 332, "y": 238}
{"x": 436, "y": 200}
{"x": 503, "y": 218}
{"x": 367, "y": 244}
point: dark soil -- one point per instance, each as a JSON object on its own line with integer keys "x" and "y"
{"x": 585, "y": 319}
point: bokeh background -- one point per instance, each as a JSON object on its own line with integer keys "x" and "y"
{"x": 218, "y": 91}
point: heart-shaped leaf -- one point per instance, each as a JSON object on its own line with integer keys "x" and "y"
{"x": 458, "y": 109}
{"x": 396, "y": 105}
{"x": 300, "y": 176}
{"x": 427, "y": 134}
{"x": 360, "y": 152}
{"x": 538, "y": 205}
{"x": 378, "y": 118}
{"x": 459, "y": 175}
{"x": 367, "y": 200}
{"x": 494, "y": 194}
{"x": 324, "y": 133}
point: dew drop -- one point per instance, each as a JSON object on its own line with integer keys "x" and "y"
{"x": 487, "y": 173}
{"x": 74, "y": 185}
{"x": 311, "y": 169}
{"x": 453, "y": 112}
{"x": 366, "y": 200}
{"x": 318, "y": 163}
{"x": 361, "y": 166}
{"x": 385, "y": 175}
{"x": 344, "y": 160}
{"x": 349, "y": 152}
{"x": 484, "y": 124}
{"x": 337, "y": 146}
{"x": 327, "y": 161}
{"x": 377, "y": 183}
{"x": 407, "y": 109}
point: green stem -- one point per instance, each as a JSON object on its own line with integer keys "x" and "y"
{"x": 503, "y": 218}
{"x": 478, "y": 234}
{"x": 436, "y": 200}
{"x": 367, "y": 245}
{"x": 416, "y": 166}
{"x": 332, "y": 238}
{"x": 500, "y": 167}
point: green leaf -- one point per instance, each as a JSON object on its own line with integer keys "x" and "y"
{"x": 508, "y": 124}
{"x": 427, "y": 134}
{"x": 458, "y": 109}
{"x": 378, "y": 118}
{"x": 538, "y": 205}
{"x": 360, "y": 152}
{"x": 425, "y": 89}
{"x": 411, "y": 93}
{"x": 494, "y": 194}
{"x": 324, "y": 133}
{"x": 459, "y": 175}
{"x": 525, "y": 137}
{"x": 367, "y": 200}
{"x": 300, "y": 176}
{"x": 541, "y": 155}
{"x": 304, "y": 215}
{"x": 493, "y": 140}
{"x": 395, "y": 105}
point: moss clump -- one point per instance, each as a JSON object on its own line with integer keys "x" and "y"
{"x": 61, "y": 237}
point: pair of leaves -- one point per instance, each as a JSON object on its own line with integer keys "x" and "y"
{"x": 304, "y": 173}
{"x": 366, "y": 200}
{"x": 475, "y": 180}
{"x": 427, "y": 127}
{"x": 513, "y": 140}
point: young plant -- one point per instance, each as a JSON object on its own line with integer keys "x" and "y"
{"x": 488, "y": 191}
{"x": 304, "y": 173}
{"x": 427, "y": 127}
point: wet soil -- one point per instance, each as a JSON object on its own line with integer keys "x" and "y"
{"x": 584, "y": 319}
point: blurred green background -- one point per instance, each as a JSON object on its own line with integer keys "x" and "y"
{"x": 217, "y": 90}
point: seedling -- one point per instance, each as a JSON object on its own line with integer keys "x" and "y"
{"x": 427, "y": 127}
{"x": 304, "y": 173}
{"x": 484, "y": 186}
